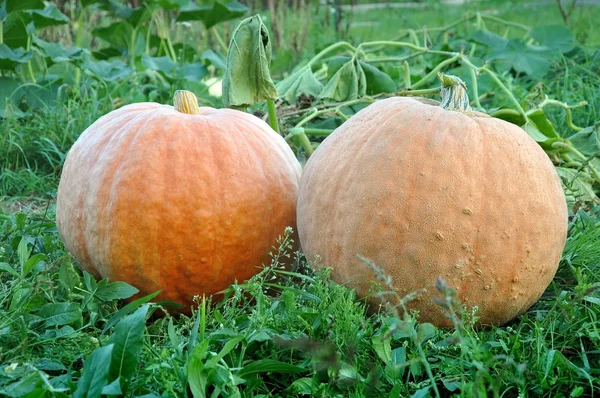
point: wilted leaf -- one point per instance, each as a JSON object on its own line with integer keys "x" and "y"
{"x": 302, "y": 81}
{"x": 377, "y": 80}
{"x": 247, "y": 79}
{"x": 577, "y": 185}
{"x": 587, "y": 141}
{"x": 348, "y": 83}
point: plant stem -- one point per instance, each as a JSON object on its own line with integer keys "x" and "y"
{"x": 475, "y": 88}
{"x": 132, "y": 47}
{"x": 406, "y": 75}
{"x": 335, "y": 46}
{"x": 272, "y": 111}
{"x": 570, "y": 148}
{"x": 504, "y": 88}
{"x": 220, "y": 40}
{"x": 507, "y": 23}
{"x": 567, "y": 109}
{"x": 435, "y": 70}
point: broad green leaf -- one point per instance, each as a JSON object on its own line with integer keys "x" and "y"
{"x": 109, "y": 71}
{"x": 32, "y": 262}
{"x": 23, "y": 252}
{"x": 95, "y": 373}
{"x": 195, "y": 372}
{"x": 173, "y": 336}
{"x": 56, "y": 314}
{"x": 377, "y": 81}
{"x": 382, "y": 347}
{"x": 28, "y": 386}
{"x": 49, "y": 16}
{"x": 348, "y": 83}
{"x": 132, "y": 16}
{"x": 114, "y": 388}
{"x": 120, "y": 33}
{"x": 269, "y": 365}
{"x": 532, "y": 130}
{"x": 593, "y": 300}
{"x": 557, "y": 37}
{"x": 302, "y": 81}
{"x": 218, "y": 60}
{"x": 10, "y": 58}
{"x": 8, "y": 99}
{"x": 212, "y": 14}
{"x": 56, "y": 52}
{"x": 425, "y": 331}
{"x": 515, "y": 53}
{"x": 7, "y": 268}
{"x": 227, "y": 348}
{"x": 162, "y": 64}
{"x": 17, "y": 5}
{"x": 170, "y": 4}
{"x": 489, "y": 39}
{"x": 510, "y": 115}
{"x": 64, "y": 332}
{"x": 399, "y": 355}
{"x": 15, "y": 30}
{"x": 128, "y": 309}
{"x": 115, "y": 291}
{"x": 128, "y": 339}
{"x": 348, "y": 375}
{"x": 543, "y": 124}
{"x": 67, "y": 276}
{"x": 247, "y": 79}
{"x": 86, "y": 3}
{"x": 421, "y": 393}
{"x": 302, "y": 386}
{"x": 191, "y": 71}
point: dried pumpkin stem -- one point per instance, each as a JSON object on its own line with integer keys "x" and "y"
{"x": 186, "y": 102}
{"x": 454, "y": 93}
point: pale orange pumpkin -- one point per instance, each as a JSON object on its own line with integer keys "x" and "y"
{"x": 181, "y": 199}
{"x": 426, "y": 192}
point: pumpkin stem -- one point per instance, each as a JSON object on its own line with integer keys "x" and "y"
{"x": 454, "y": 93}
{"x": 186, "y": 102}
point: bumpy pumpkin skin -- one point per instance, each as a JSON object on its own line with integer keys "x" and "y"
{"x": 426, "y": 192}
{"x": 184, "y": 203}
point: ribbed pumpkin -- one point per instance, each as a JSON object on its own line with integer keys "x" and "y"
{"x": 183, "y": 199}
{"x": 425, "y": 192}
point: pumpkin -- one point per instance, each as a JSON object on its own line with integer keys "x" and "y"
{"x": 182, "y": 199}
{"x": 426, "y": 191}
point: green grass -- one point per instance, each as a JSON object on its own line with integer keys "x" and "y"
{"x": 307, "y": 336}
{"x": 299, "y": 334}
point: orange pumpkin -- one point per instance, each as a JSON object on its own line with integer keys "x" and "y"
{"x": 183, "y": 199}
{"x": 427, "y": 192}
